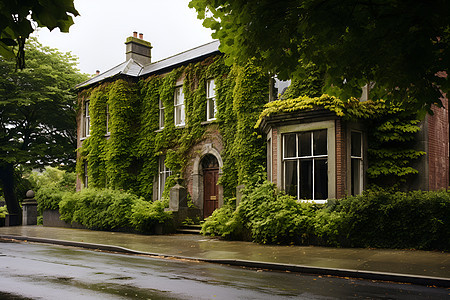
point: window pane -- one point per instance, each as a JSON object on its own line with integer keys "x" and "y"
{"x": 304, "y": 143}
{"x": 306, "y": 179}
{"x": 211, "y": 108}
{"x": 290, "y": 145}
{"x": 179, "y": 96}
{"x": 182, "y": 114}
{"x": 210, "y": 89}
{"x": 356, "y": 176}
{"x": 320, "y": 179}
{"x": 320, "y": 142}
{"x": 161, "y": 118}
{"x": 290, "y": 177}
{"x": 356, "y": 144}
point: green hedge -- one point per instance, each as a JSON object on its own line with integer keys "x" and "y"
{"x": 105, "y": 209}
{"x": 386, "y": 219}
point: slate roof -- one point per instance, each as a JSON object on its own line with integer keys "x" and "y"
{"x": 134, "y": 69}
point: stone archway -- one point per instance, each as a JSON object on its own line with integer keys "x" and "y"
{"x": 207, "y": 170}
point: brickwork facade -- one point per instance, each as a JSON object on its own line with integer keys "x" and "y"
{"x": 438, "y": 147}
{"x": 341, "y": 159}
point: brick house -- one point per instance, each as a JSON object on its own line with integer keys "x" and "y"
{"x": 313, "y": 155}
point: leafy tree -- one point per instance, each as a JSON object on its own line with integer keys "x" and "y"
{"x": 37, "y": 115}
{"x": 402, "y": 46}
{"x": 18, "y": 19}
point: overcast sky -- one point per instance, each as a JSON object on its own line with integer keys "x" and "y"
{"x": 99, "y": 33}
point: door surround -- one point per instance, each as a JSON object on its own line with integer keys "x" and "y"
{"x": 197, "y": 176}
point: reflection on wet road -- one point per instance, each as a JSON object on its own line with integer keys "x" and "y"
{"x": 53, "y": 272}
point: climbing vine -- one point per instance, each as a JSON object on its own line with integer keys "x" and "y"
{"x": 393, "y": 128}
{"x": 127, "y": 156}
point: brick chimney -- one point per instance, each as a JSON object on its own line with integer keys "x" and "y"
{"x": 138, "y": 49}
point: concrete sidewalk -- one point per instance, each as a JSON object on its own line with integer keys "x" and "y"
{"x": 412, "y": 266}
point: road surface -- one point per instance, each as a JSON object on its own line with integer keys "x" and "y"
{"x": 36, "y": 271}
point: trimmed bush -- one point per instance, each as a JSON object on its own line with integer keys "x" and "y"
{"x": 146, "y": 215}
{"x": 48, "y": 198}
{"x": 109, "y": 209}
{"x": 382, "y": 219}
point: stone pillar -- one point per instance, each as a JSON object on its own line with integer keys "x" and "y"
{"x": 29, "y": 209}
{"x": 178, "y": 198}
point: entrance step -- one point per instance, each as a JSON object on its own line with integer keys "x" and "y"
{"x": 189, "y": 229}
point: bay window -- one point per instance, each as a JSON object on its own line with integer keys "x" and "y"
{"x": 305, "y": 163}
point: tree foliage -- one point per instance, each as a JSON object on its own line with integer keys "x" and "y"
{"x": 18, "y": 19}
{"x": 37, "y": 113}
{"x": 403, "y": 46}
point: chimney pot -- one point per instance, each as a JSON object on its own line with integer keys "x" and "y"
{"x": 97, "y": 72}
{"x": 135, "y": 34}
{"x": 141, "y": 36}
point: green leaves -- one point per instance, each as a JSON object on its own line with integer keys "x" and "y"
{"x": 37, "y": 115}
{"x": 351, "y": 42}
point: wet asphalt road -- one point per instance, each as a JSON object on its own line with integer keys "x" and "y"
{"x": 34, "y": 271}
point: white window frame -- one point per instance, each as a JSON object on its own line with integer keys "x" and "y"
{"x": 86, "y": 120}
{"x": 360, "y": 160}
{"x": 179, "y": 108}
{"x": 299, "y": 158}
{"x": 161, "y": 114}
{"x": 211, "y": 100}
{"x": 163, "y": 173}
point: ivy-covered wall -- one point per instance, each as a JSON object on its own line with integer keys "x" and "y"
{"x": 127, "y": 157}
{"x": 391, "y": 134}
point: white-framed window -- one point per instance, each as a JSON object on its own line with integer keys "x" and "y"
{"x": 107, "y": 119}
{"x": 357, "y": 166}
{"x": 179, "y": 106}
{"x": 163, "y": 173}
{"x": 86, "y": 120}
{"x": 211, "y": 106}
{"x": 161, "y": 114}
{"x": 305, "y": 164}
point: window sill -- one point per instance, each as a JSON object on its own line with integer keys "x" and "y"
{"x": 209, "y": 122}
{"x": 159, "y": 130}
{"x": 180, "y": 126}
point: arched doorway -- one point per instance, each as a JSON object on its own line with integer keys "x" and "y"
{"x": 210, "y": 168}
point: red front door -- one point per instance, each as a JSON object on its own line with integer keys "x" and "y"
{"x": 210, "y": 191}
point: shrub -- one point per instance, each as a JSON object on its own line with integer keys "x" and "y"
{"x": 224, "y": 222}
{"x": 389, "y": 219}
{"x": 108, "y": 209}
{"x": 3, "y": 212}
{"x": 146, "y": 215}
{"x": 98, "y": 209}
{"x": 377, "y": 218}
{"x": 265, "y": 215}
{"x": 48, "y": 198}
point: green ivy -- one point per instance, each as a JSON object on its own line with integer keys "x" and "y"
{"x": 128, "y": 157}
{"x": 393, "y": 128}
